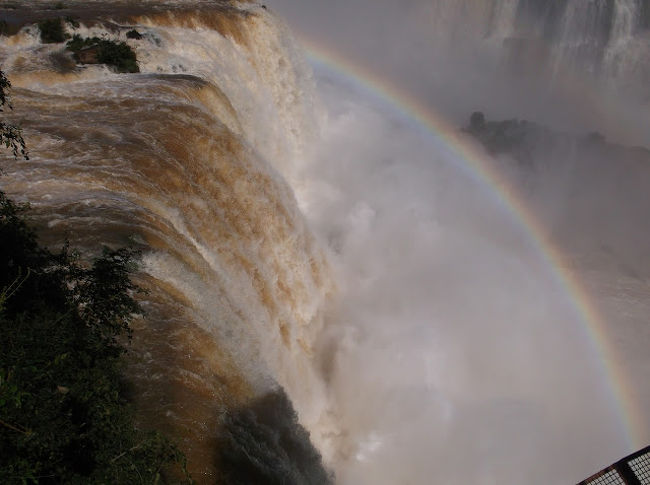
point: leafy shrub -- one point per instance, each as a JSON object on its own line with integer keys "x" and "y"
{"x": 63, "y": 415}
{"x": 52, "y": 31}
{"x": 264, "y": 443}
{"x": 116, "y": 54}
{"x": 10, "y": 135}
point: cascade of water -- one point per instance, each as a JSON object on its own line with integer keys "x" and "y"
{"x": 601, "y": 39}
{"x": 189, "y": 160}
{"x": 619, "y": 52}
{"x": 582, "y": 35}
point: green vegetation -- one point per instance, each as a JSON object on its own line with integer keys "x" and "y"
{"x": 264, "y": 443}
{"x": 63, "y": 413}
{"x": 10, "y": 135}
{"x": 102, "y": 51}
{"x": 52, "y": 31}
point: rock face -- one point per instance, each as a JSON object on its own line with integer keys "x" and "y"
{"x": 89, "y": 55}
{"x": 530, "y": 143}
{"x": 585, "y": 188}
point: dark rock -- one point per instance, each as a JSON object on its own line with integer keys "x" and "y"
{"x": 133, "y": 34}
{"x": 88, "y": 55}
{"x": 477, "y": 121}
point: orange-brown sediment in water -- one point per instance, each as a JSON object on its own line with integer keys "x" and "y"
{"x": 229, "y": 265}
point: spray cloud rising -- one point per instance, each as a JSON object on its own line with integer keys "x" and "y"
{"x": 454, "y": 354}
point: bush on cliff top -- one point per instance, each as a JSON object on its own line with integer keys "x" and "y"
{"x": 116, "y": 54}
{"x": 52, "y": 31}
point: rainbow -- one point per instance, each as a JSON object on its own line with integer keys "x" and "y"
{"x": 477, "y": 166}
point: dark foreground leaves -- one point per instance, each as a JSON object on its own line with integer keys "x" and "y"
{"x": 63, "y": 417}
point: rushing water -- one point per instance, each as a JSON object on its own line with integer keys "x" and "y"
{"x": 344, "y": 258}
{"x": 603, "y": 37}
{"x": 185, "y": 160}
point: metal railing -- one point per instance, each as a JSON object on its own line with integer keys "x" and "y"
{"x": 631, "y": 470}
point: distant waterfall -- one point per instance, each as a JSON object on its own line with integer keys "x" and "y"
{"x": 603, "y": 39}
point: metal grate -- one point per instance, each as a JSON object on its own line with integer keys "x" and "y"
{"x": 641, "y": 468}
{"x": 610, "y": 478}
{"x": 634, "y": 469}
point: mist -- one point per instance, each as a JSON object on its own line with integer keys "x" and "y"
{"x": 452, "y": 354}
{"x": 536, "y": 60}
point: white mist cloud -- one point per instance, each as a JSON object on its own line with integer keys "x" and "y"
{"x": 451, "y": 356}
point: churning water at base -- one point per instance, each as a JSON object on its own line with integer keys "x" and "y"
{"x": 343, "y": 256}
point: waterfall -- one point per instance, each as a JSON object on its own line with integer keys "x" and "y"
{"x": 622, "y": 51}
{"x": 400, "y": 308}
{"x": 188, "y": 160}
{"x": 603, "y": 40}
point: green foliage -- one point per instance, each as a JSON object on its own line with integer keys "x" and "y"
{"x": 52, "y": 31}
{"x": 10, "y": 135}
{"x": 263, "y": 443}
{"x": 5, "y": 84}
{"x": 119, "y": 55}
{"x": 77, "y": 43}
{"x": 63, "y": 417}
{"x": 116, "y": 54}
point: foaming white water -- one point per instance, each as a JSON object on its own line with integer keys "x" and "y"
{"x": 260, "y": 74}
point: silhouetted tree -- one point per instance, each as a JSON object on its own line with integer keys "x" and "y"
{"x": 10, "y": 135}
